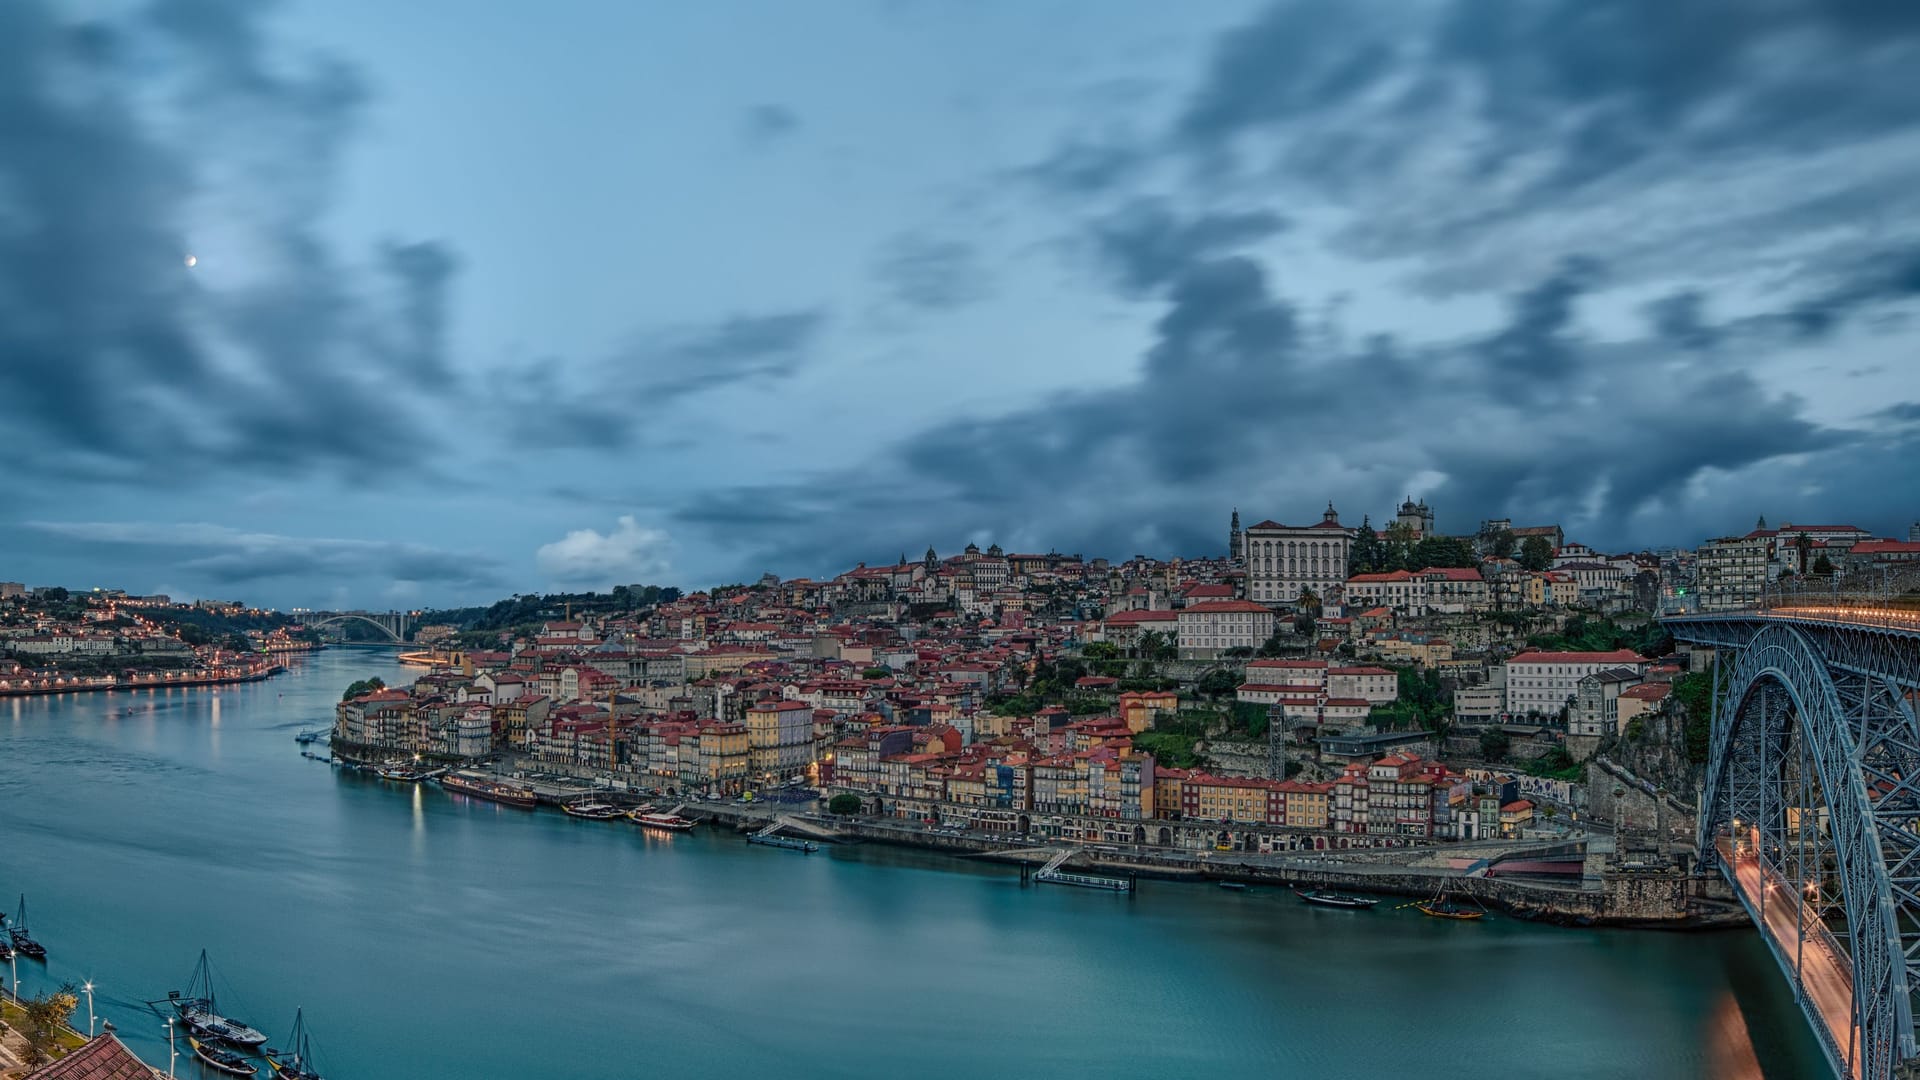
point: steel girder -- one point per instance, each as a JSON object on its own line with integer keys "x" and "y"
{"x": 1858, "y": 732}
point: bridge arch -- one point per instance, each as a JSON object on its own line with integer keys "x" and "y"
{"x": 1813, "y": 783}
{"x": 334, "y": 620}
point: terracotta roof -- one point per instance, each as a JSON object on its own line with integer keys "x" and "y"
{"x": 104, "y": 1058}
{"x": 1210, "y": 606}
{"x": 1617, "y": 656}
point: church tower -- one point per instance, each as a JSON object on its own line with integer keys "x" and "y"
{"x": 1236, "y": 539}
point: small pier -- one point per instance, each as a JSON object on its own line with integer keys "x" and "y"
{"x": 1052, "y": 874}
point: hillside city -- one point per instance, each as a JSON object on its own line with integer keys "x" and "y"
{"x": 1322, "y": 685}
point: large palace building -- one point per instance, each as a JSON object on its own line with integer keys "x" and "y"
{"x": 1282, "y": 560}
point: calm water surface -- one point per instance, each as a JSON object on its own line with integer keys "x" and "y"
{"x": 432, "y": 936}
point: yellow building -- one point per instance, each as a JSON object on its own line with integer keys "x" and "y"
{"x": 725, "y": 756}
{"x": 1306, "y": 804}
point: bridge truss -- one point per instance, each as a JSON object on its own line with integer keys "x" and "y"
{"x": 1812, "y": 810}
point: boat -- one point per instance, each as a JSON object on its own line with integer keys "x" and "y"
{"x": 312, "y": 736}
{"x": 22, "y": 941}
{"x": 592, "y": 811}
{"x": 296, "y": 1062}
{"x": 200, "y": 1012}
{"x": 6, "y": 943}
{"x": 1234, "y": 885}
{"x": 791, "y": 843}
{"x": 1346, "y": 901}
{"x": 490, "y": 790}
{"x": 405, "y": 774}
{"x": 1440, "y": 907}
{"x": 655, "y": 819}
{"x": 218, "y": 1057}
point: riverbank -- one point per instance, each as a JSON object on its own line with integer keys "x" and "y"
{"x": 1644, "y": 900}
{"x": 25, "y": 686}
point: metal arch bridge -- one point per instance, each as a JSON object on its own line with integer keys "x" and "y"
{"x": 1812, "y": 810}
{"x": 395, "y": 624}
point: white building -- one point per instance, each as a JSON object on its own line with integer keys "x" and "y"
{"x": 1211, "y": 627}
{"x": 1542, "y": 683}
{"x": 1282, "y": 560}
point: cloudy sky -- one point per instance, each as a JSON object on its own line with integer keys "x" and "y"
{"x": 506, "y": 297}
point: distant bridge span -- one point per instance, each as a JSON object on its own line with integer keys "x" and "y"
{"x": 394, "y": 624}
{"x": 1812, "y": 811}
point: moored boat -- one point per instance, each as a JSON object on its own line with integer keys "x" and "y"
{"x": 491, "y": 790}
{"x": 22, "y": 941}
{"x": 296, "y": 1062}
{"x": 592, "y": 811}
{"x": 200, "y": 1012}
{"x": 1345, "y": 901}
{"x": 1440, "y": 907}
{"x": 1235, "y": 885}
{"x": 654, "y": 819}
{"x": 220, "y": 1058}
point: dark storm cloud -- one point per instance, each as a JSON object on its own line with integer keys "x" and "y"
{"x": 1681, "y": 319}
{"x": 1867, "y": 281}
{"x": 119, "y": 363}
{"x": 636, "y": 386}
{"x": 1486, "y": 139}
{"x": 1080, "y": 166}
{"x": 222, "y": 556}
{"x": 1545, "y": 151}
{"x": 1537, "y": 344}
{"x": 1146, "y": 244}
{"x": 1238, "y": 401}
{"x": 764, "y": 124}
{"x": 930, "y": 274}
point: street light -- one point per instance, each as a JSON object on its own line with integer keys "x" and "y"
{"x": 89, "y": 989}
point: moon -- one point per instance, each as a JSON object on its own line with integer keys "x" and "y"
{"x": 193, "y": 260}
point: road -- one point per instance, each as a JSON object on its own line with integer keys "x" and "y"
{"x": 1828, "y": 978}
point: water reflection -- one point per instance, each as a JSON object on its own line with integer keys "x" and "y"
{"x": 1729, "y": 1042}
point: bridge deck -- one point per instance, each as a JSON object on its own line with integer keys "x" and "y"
{"x": 1825, "y": 973}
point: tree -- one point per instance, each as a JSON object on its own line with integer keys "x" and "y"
{"x": 1274, "y": 645}
{"x": 1494, "y": 744}
{"x": 237, "y": 643}
{"x": 363, "y": 686}
{"x": 1823, "y": 566}
{"x": 1219, "y": 682}
{"x": 195, "y": 634}
{"x": 844, "y": 804}
{"x": 876, "y": 673}
{"x": 1443, "y": 551}
{"x": 1500, "y": 544}
{"x": 1364, "y": 556}
{"x": 1536, "y": 553}
{"x": 1307, "y": 612}
{"x": 45, "y": 1015}
{"x": 1801, "y": 545}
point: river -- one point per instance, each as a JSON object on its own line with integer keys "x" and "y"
{"x": 432, "y": 936}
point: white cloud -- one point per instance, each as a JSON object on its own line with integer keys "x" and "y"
{"x": 587, "y": 558}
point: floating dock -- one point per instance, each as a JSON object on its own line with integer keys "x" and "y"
{"x": 791, "y": 843}
{"x": 1085, "y": 881}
